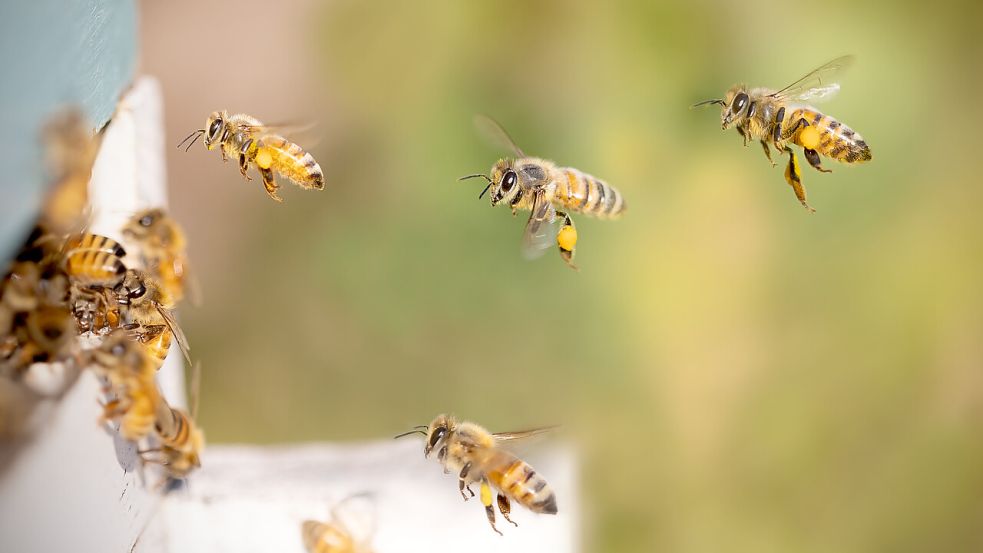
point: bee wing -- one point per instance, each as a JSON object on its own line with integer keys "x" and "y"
{"x": 522, "y": 434}
{"x": 182, "y": 340}
{"x": 539, "y": 233}
{"x": 296, "y": 131}
{"x": 815, "y": 84}
{"x": 495, "y": 134}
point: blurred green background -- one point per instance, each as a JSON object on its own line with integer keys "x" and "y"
{"x": 740, "y": 375}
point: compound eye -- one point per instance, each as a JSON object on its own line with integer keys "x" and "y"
{"x": 739, "y": 102}
{"x": 214, "y": 129}
{"x": 509, "y": 181}
{"x": 146, "y": 220}
{"x": 137, "y": 292}
{"x": 436, "y": 436}
{"x": 118, "y": 350}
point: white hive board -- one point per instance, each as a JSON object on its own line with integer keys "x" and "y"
{"x": 253, "y": 499}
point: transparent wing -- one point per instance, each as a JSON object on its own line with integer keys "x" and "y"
{"x": 287, "y": 128}
{"x": 182, "y": 340}
{"x": 495, "y": 134}
{"x": 817, "y": 84}
{"x": 540, "y": 233}
{"x": 522, "y": 434}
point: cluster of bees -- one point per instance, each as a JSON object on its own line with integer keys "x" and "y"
{"x": 80, "y": 301}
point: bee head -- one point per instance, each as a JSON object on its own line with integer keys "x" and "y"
{"x": 117, "y": 350}
{"x": 437, "y": 432}
{"x": 735, "y": 106}
{"x": 214, "y": 128}
{"x": 141, "y": 224}
{"x": 504, "y": 183}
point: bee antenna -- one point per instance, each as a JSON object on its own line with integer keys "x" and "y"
{"x": 194, "y": 134}
{"x": 397, "y": 436}
{"x": 707, "y": 102}
{"x": 476, "y": 175}
{"x": 485, "y": 190}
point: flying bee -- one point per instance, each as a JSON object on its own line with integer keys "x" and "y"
{"x": 129, "y": 372}
{"x": 163, "y": 247}
{"x": 145, "y": 310}
{"x": 783, "y": 117}
{"x": 549, "y": 192}
{"x": 476, "y": 455}
{"x": 245, "y": 138}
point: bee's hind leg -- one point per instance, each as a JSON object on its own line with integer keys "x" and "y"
{"x": 566, "y": 240}
{"x": 486, "y": 500}
{"x": 270, "y": 184}
{"x": 505, "y": 508}
{"x": 793, "y": 175}
{"x": 812, "y": 156}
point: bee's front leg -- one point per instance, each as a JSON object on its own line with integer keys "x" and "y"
{"x": 244, "y": 158}
{"x": 764, "y": 144}
{"x": 462, "y": 484}
{"x": 743, "y": 133}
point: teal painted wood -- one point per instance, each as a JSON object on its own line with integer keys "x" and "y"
{"x": 55, "y": 53}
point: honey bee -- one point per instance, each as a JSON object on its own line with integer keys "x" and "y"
{"x": 145, "y": 310}
{"x": 549, "y": 192}
{"x": 94, "y": 266}
{"x": 334, "y": 535}
{"x": 181, "y": 440}
{"x": 476, "y": 455}
{"x": 246, "y": 138}
{"x": 782, "y": 117}
{"x": 163, "y": 247}
{"x": 129, "y": 371}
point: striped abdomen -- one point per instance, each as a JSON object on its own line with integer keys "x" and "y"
{"x": 291, "y": 161}
{"x": 583, "y": 193}
{"x": 157, "y": 348}
{"x": 95, "y": 242}
{"x": 174, "y": 427}
{"x": 325, "y": 538}
{"x": 835, "y": 140}
{"x": 520, "y": 482}
{"x": 94, "y": 268}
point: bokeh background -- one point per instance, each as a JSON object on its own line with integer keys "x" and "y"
{"x": 739, "y": 375}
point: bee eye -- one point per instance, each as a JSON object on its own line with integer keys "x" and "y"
{"x": 436, "y": 436}
{"x": 213, "y": 130}
{"x": 138, "y": 291}
{"x": 509, "y": 181}
{"x": 146, "y": 220}
{"x": 118, "y": 349}
{"x": 739, "y": 102}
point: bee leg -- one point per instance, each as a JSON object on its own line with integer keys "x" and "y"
{"x": 566, "y": 240}
{"x": 243, "y": 165}
{"x": 462, "y": 483}
{"x": 270, "y": 184}
{"x": 764, "y": 144}
{"x": 505, "y": 508}
{"x": 486, "y": 500}
{"x": 740, "y": 131}
{"x": 812, "y": 156}
{"x": 793, "y": 175}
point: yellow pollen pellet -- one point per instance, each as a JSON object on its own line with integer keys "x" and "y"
{"x": 567, "y": 238}
{"x": 486, "y": 494}
{"x": 809, "y": 138}
{"x": 264, "y": 159}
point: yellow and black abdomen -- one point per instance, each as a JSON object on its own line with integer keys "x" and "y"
{"x": 95, "y": 268}
{"x": 289, "y": 160}
{"x": 582, "y": 193}
{"x": 829, "y": 137}
{"x": 522, "y": 483}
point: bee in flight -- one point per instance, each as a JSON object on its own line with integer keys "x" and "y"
{"x": 245, "y": 138}
{"x": 783, "y": 117}
{"x": 549, "y": 192}
{"x": 334, "y": 536}
{"x": 476, "y": 456}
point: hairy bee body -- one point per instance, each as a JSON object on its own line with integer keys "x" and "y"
{"x": 130, "y": 376}
{"x": 145, "y": 310}
{"x": 94, "y": 268}
{"x": 243, "y": 137}
{"x": 321, "y": 537}
{"x": 162, "y": 245}
{"x": 781, "y": 118}
{"x": 474, "y": 454}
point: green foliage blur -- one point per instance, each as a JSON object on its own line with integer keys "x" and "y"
{"x": 739, "y": 375}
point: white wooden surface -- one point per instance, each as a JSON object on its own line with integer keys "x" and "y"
{"x": 253, "y": 499}
{"x": 76, "y": 486}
